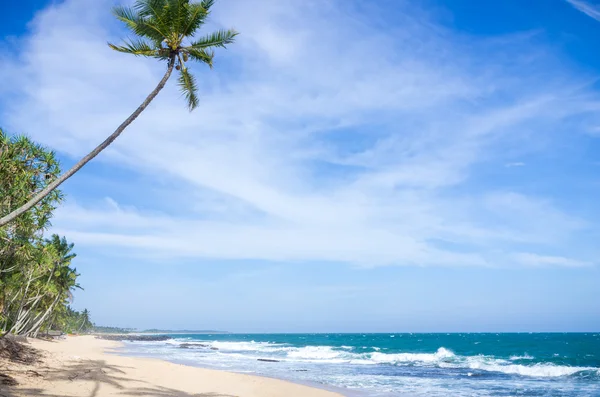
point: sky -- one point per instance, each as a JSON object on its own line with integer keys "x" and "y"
{"x": 384, "y": 166}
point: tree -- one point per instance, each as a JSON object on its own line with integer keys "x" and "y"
{"x": 165, "y": 31}
{"x": 63, "y": 249}
{"x": 86, "y": 323}
{"x": 36, "y": 277}
{"x": 48, "y": 285}
{"x": 25, "y": 168}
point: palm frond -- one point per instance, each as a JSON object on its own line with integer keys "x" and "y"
{"x": 187, "y": 84}
{"x": 196, "y": 16}
{"x": 220, "y": 38}
{"x": 176, "y": 15}
{"x": 207, "y": 4}
{"x": 154, "y": 11}
{"x": 137, "y": 24}
{"x": 150, "y": 8}
{"x": 136, "y": 47}
{"x": 202, "y": 55}
{"x": 127, "y": 15}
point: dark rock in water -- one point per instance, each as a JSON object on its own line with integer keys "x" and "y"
{"x": 214, "y": 348}
{"x": 300, "y": 370}
{"x": 267, "y": 360}
{"x": 192, "y": 345}
{"x": 135, "y": 338}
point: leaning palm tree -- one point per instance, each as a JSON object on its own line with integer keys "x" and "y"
{"x": 85, "y": 321}
{"x": 165, "y": 31}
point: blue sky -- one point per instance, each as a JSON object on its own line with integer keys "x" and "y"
{"x": 373, "y": 167}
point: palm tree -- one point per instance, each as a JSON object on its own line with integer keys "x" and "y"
{"x": 63, "y": 249}
{"x": 85, "y": 320}
{"x": 165, "y": 31}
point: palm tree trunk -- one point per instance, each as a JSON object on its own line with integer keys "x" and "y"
{"x": 44, "y": 192}
{"x": 33, "y": 329}
{"x": 82, "y": 324}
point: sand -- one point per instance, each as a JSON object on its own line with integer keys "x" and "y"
{"x": 80, "y": 366}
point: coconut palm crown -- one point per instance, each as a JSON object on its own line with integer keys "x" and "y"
{"x": 166, "y": 31}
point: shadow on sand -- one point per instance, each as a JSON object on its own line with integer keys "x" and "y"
{"x": 98, "y": 373}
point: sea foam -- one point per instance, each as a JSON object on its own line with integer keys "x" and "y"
{"x": 442, "y": 358}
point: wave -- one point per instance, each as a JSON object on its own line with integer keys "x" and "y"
{"x": 536, "y": 370}
{"x": 442, "y": 358}
{"x": 441, "y": 355}
{"x": 525, "y": 357}
{"x": 249, "y": 346}
{"x": 317, "y": 352}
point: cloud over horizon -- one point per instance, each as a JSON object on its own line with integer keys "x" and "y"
{"x": 328, "y": 132}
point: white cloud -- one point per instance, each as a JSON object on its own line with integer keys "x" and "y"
{"x": 515, "y": 164}
{"x": 590, "y": 9}
{"x": 545, "y": 260}
{"x": 320, "y": 136}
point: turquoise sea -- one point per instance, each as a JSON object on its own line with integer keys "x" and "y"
{"x": 378, "y": 365}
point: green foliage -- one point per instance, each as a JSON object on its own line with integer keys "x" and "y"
{"x": 111, "y": 330}
{"x": 25, "y": 169}
{"x": 71, "y": 321}
{"x": 164, "y": 30}
{"x": 188, "y": 82}
{"x": 36, "y": 277}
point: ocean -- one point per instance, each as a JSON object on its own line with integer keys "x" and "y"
{"x": 384, "y": 365}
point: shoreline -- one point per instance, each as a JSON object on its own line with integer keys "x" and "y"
{"x": 85, "y": 366}
{"x": 340, "y": 392}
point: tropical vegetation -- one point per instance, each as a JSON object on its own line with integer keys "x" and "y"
{"x": 97, "y": 329}
{"x": 166, "y": 31}
{"x": 37, "y": 278}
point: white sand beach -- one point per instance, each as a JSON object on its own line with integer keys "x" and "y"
{"x": 82, "y": 366}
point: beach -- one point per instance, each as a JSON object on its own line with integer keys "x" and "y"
{"x": 382, "y": 365}
{"x": 398, "y": 364}
{"x": 84, "y": 366}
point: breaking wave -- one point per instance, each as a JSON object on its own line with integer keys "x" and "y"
{"x": 442, "y": 358}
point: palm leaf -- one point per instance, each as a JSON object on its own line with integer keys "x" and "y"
{"x": 150, "y": 8}
{"x": 187, "y": 84}
{"x": 207, "y": 4}
{"x": 202, "y": 55}
{"x": 136, "y": 47}
{"x": 176, "y": 15}
{"x": 153, "y": 10}
{"x": 196, "y": 16}
{"x": 220, "y": 38}
{"x": 137, "y": 24}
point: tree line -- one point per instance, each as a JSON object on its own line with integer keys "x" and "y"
{"x": 37, "y": 278}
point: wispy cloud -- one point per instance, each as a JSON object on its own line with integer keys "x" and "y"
{"x": 588, "y": 8}
{"x": 321, "y": 136}
{"x": 545, "y": 260}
